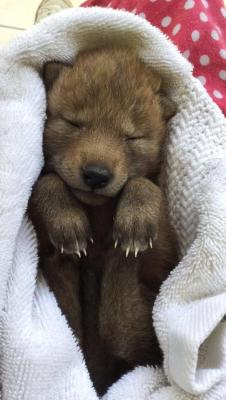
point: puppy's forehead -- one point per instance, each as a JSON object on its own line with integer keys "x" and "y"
{"x": 114, "y": 70}
{"x": 103, "y": 90}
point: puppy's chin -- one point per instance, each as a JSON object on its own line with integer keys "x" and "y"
{"x": 90, "y": 198}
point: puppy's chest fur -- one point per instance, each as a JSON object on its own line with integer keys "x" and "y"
{"x": 117, "y": 332}
{"x": 101, "y": 220}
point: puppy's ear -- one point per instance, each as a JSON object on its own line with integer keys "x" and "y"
{"x": 51, "y": 72}
{"x": 168, "y": 106}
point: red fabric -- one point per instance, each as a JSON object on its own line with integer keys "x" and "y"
{"x": 197, "y": 27}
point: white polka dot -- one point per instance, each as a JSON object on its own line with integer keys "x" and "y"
{"x": 214, "y": 35}
{"x": 219, "y": 29}
{"x": 142, "y": 15}
{"x": 204, "y": 2}
{"x": 223, "y": 12}
{"x": 189, "y": 4}
{"x": 217, "y": 94}
{"x": 176, "y": 29}
{"x": 195, "y": 36}
{"x": 166, "y": 21}
{"x": 222, "y": 53}
{"x": 203, "y": 17}
{"x": 204, "y": 59}
{"x": 168, "y": 1}
{"x": 202, "y": 79}
{"x": 186, "y": 54}
{"x": 152, "y": 1}
{"x": 222, "y": 75}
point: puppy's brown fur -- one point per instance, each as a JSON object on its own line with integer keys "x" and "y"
{"x": 106, "y": 110}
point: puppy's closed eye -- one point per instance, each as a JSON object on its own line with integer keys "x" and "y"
{"x": 133, "y": 138}
{"x": 73, "y": 123}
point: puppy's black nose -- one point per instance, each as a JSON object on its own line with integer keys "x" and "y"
{"x": 96, "y": 176}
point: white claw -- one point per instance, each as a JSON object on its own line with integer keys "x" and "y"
{"x": 116, "y": 243}
{"x": 91, "y": 240}
{"x": 62, "y": 249}
{"x": 127, "y": 251}
{"x": 136, "y": 252}
{"x": 150, "y": 243}
{"x": 84, "y": 252}
{"x": 78, "y": 254}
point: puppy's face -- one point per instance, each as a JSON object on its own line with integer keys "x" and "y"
{"x": 106, "y": 123}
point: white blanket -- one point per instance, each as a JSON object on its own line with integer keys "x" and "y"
{"x": 40, "y": 359}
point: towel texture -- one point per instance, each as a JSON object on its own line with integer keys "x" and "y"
{"x": 40, "y": 358}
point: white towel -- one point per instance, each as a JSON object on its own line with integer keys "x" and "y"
{"x": 40, "y": 359}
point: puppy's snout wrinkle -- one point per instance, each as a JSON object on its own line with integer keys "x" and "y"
{"x": 96, "y": 176}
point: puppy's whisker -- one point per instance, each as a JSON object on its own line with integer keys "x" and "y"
{"x": 91, "y": 240}
{"x": 116, "y": 243}
{"x": 84, "y": 252}
{"x": 62, "y": 249}
{"x": 150, "y": 243}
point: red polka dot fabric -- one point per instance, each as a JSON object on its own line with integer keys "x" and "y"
{"x": 197, "y": 27}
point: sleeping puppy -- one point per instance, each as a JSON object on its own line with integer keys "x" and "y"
{"x": 105, "y": 239}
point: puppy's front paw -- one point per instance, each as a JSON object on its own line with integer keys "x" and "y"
{"x": 69, "y": 231}
{"x": 135, "y": 228}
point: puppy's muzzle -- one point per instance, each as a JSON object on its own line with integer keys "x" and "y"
{"x": 96, "y": 176}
